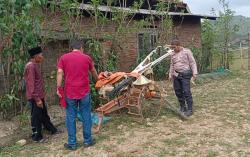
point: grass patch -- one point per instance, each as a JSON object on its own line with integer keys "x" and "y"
{"x": 35, "y": 149}
{"x": 235, "y": 116}
{"x": 245, "y": 138}
{"x": 24, "y": 120}
{"x": 102, "y": 137}
{"x": 226, "y": 146}
{"x": 212, "y": 153}
{"x": 166, "y": 152}
{"x": 11, "y": 150}
{"x": 176, "y": 141}
{"x": 120, "y": 140}
{"x": 122, "y": 118}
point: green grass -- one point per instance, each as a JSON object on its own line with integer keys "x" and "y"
{"x": 246, "y": 138}
{"x": 176, "y": 141}
{"x": 162, "y": 153}
{"x": 24, "y": 120}
{"x": 10, "y": 151}
{"x": 236, "y": 63}
{"x": 121, "y": 140}
{"x": 212, "y": 153}
{"x": 102, "y": 137}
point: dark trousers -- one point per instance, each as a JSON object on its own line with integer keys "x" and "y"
{"x": 39, "y": 118}
{"x": 183, "y": 92}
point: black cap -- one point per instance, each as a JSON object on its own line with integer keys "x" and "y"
{"x": 34, "y": 51}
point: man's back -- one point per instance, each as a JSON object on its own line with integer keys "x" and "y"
{"x": 76, "y": 67}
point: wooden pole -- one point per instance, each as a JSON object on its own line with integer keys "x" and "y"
{"x": 241, "y": 55}
{"x": 248, "y": 51}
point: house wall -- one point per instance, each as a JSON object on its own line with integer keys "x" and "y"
{"x": 52, "y": 52}
{"x": 188, "y": 30}
{"x": 125, "y": 46}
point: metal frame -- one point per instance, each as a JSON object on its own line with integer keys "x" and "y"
{"x": 130, "y": 96}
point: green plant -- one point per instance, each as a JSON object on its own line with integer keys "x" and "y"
{"x": 94, "y": 95}
{"x": 24, "y": 119}
{"x": 112, "y": 61}
{"x": 6, "y": 103}
{"x": 161, "y": 70}
{"x": 225, "y": 29}
{"x": 94, "y": 48}
{"x": 208, "y": 47}
{"x": 13, "y": 150}
{"x": 19, "y": 31}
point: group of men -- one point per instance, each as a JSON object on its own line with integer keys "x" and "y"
{"x": 73, "y": 68}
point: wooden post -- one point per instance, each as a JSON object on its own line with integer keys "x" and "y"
{"x": 248, "y": 35}
{"x": 241, "y": 56}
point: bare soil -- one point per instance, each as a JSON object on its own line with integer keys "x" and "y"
{"x": 220, "y": 126}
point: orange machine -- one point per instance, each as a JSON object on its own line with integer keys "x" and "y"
{"x": 134, "y": 91}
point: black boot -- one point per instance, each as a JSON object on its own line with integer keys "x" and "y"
{"x": 189, "y": 113}
{"x": 183, "y": 108}
{"x": 66, "y": 146}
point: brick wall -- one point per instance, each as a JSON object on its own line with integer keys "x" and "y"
{"x": 188, "y": 30}
{"x": 128, "y": 52}
{"x": 52, "y": 52}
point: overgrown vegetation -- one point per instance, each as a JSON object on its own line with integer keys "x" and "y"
{"x": 224, "y": 32}
{"x": 208, "y": 49}
{"x": 216, "y": 39}
{"x": 19, "y": 31}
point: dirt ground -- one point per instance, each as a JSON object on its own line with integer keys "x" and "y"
{"x": 8, "y": 127}
{"x": 220, "y": 126}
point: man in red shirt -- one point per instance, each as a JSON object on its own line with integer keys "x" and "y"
{"x": 35, "y": 95}
{"x": 75, "y": 67}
